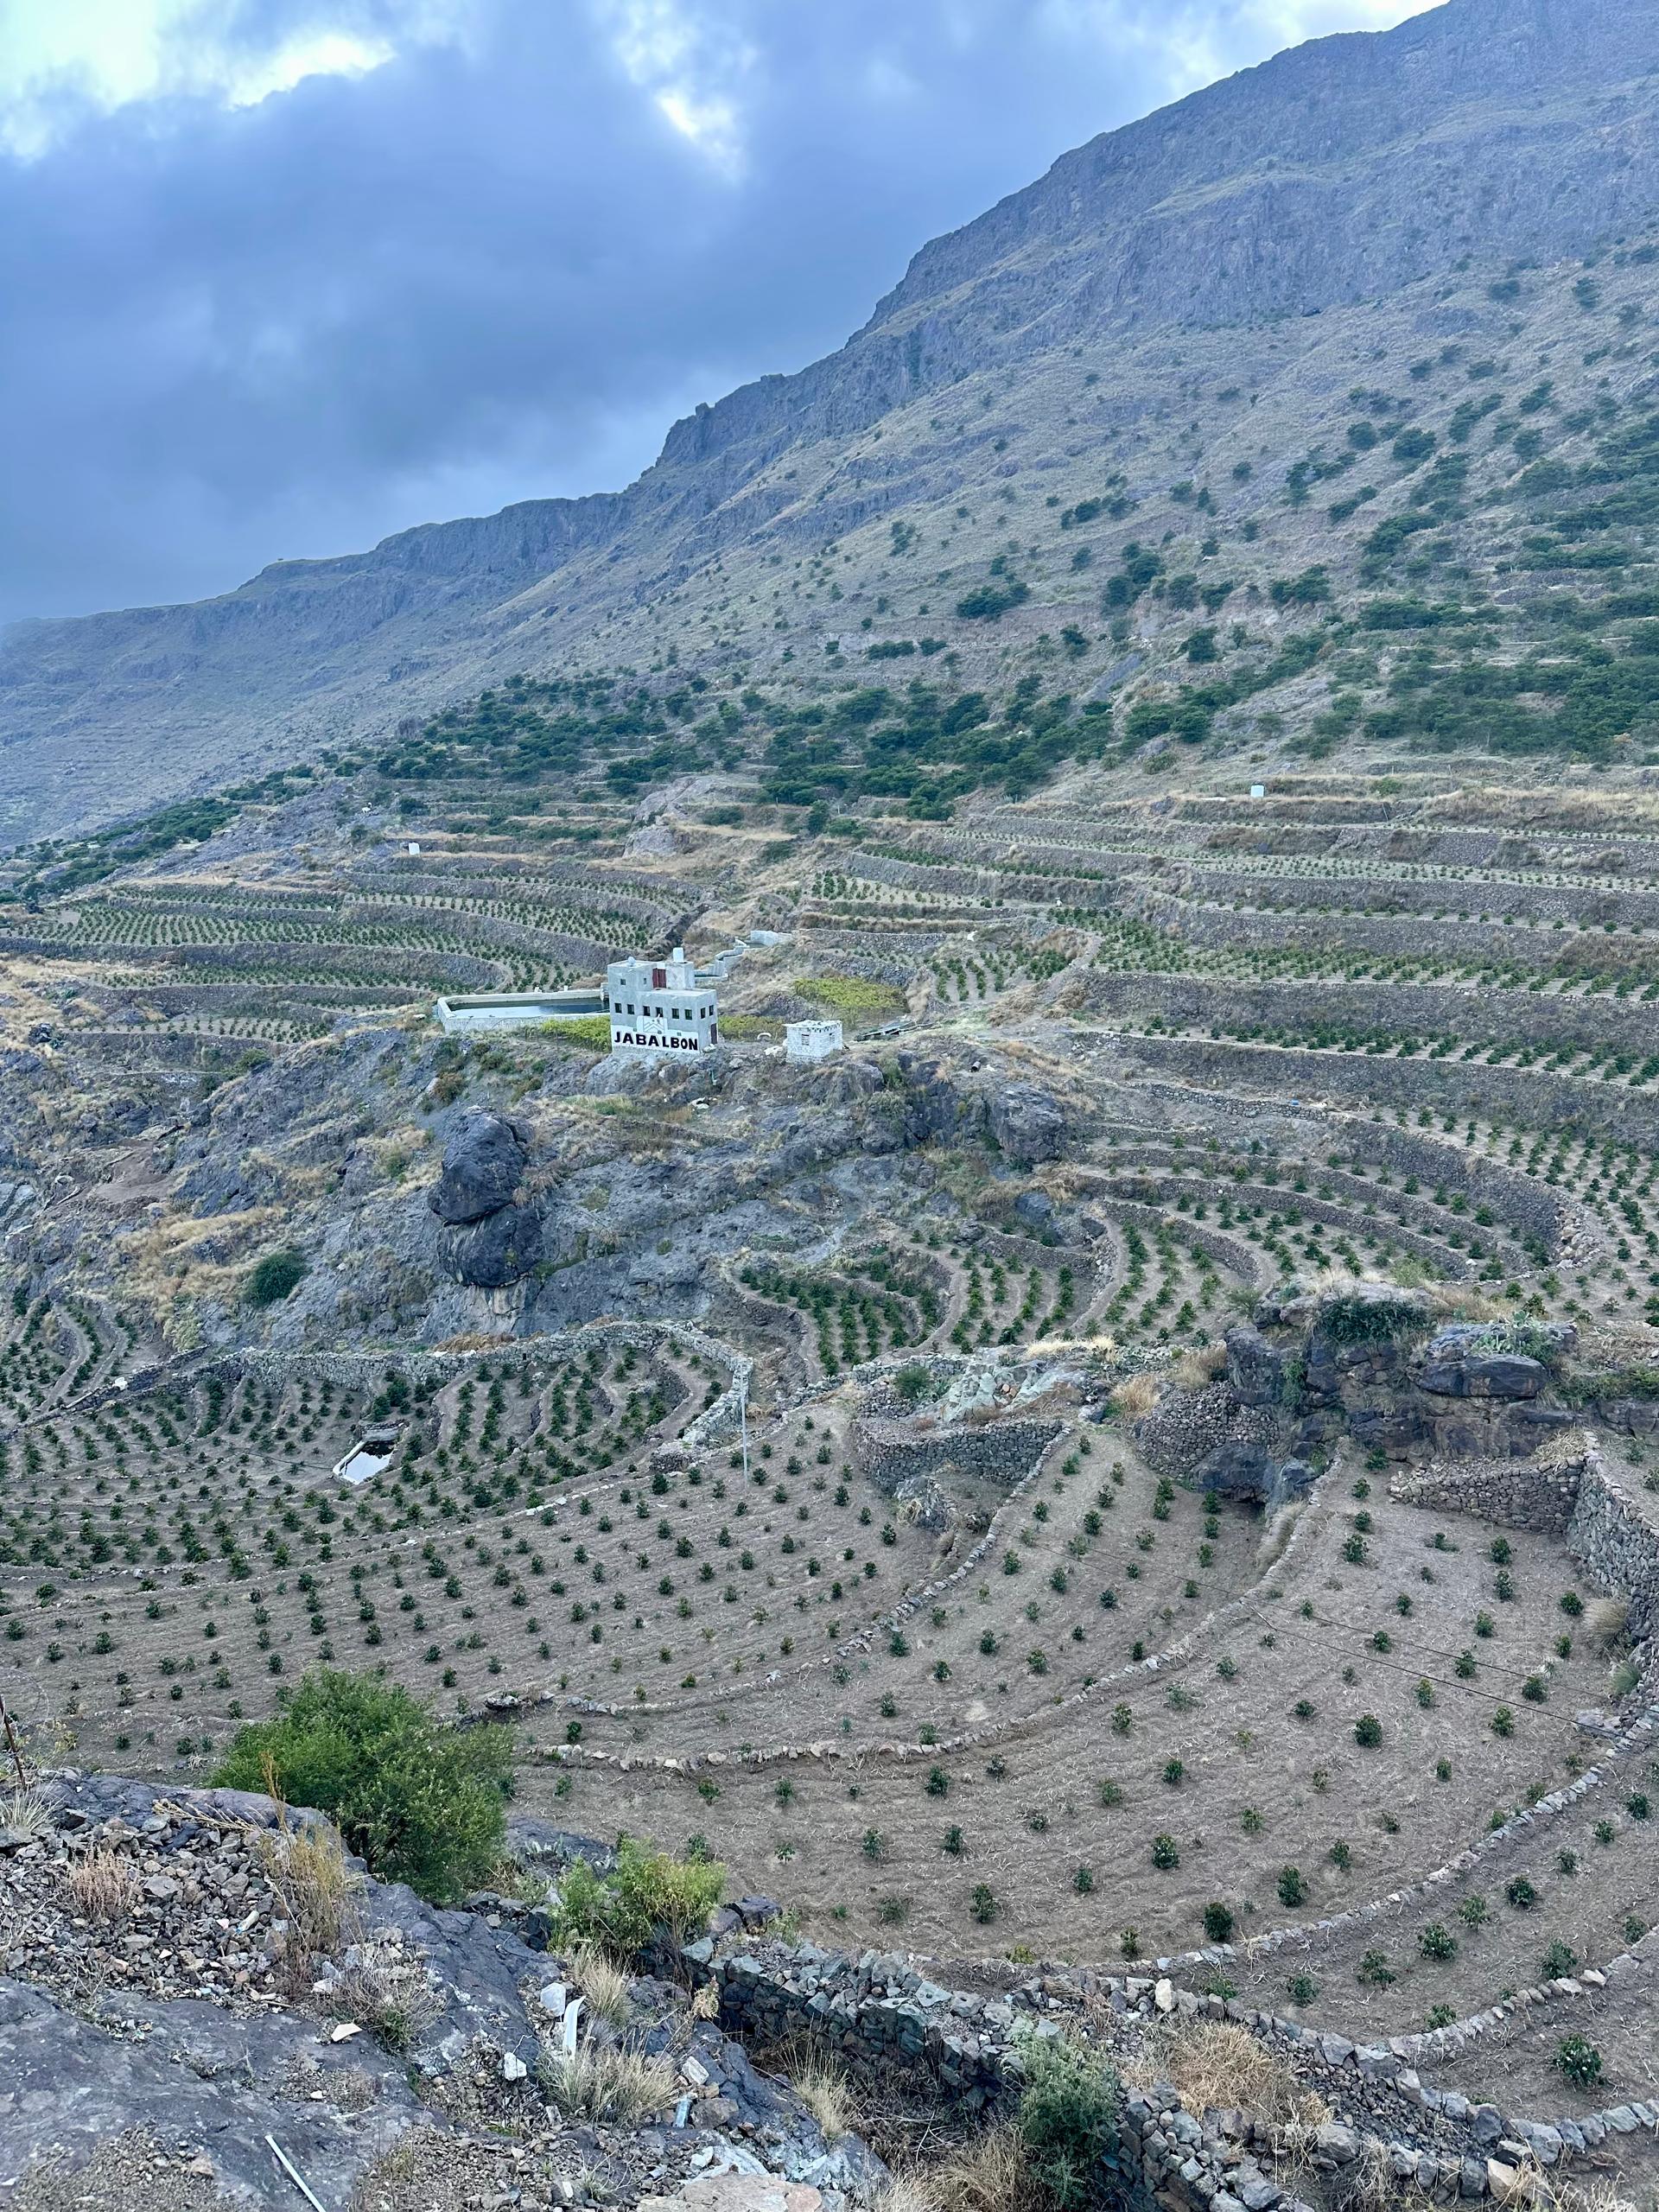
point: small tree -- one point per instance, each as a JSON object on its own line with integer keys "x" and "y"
{"x": 1067, "y": 2118}
{"x": 421, "y": 1803}
{"x": 1578, "y": 2060}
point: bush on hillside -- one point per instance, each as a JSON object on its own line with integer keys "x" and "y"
{"x": 421, "y": 1803}
{"x": 1067, "y": 2118}
{"x": 270, "y": 1279}
{"x": 646, "y": 1889}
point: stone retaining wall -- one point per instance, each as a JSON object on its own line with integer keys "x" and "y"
{"x": 1476, "y": 1016}
{"x": 1522, "y": 1097}
{"x": 1513, "y": 1494}
{"x": 880, "y": 2018}
{"x": 1616, "y": 1540}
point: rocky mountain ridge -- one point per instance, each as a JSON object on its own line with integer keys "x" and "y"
{"x": 1508, "y": 130}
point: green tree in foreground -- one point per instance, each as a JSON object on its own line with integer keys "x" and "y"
{"x": 420, "y": 1802}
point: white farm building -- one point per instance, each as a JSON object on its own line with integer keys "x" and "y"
{"x": 660, "y": 1006}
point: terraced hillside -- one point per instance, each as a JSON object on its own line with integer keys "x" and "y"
{"x": 1145, "y": 1463}
{"x": 1147, "y": 1454}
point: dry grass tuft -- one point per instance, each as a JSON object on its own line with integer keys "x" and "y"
{"x": 904, "y": 2193}
{"x": 1218, "y": 2066}
{"x": 1196, "y": 1370}
{"x": 603, "y": 1983}
{"x": 315, "y": 1888}
{"x": 1136, "y": 1395}
{"x": 593, "y": 2082}
{"x": 1370, "y": 2184}
{"x": 385, "y": 1988}
{"x": 993, "y": 2173}
{"x": 102, "y": 1887}
{"x": 1592, "y": 2193}
{"x": 26, "y": 1812}
{"x": 823, "y": 2087}
{"x": 1606, "y": 1622}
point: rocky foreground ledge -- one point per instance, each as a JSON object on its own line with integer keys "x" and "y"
{"x": 169, "y": 2039}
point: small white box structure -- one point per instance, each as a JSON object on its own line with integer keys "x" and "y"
{"x": 806, "y": 1042}
{"x": 660, "y": 1007}
{"x": 1258, "y": 791}
{"x": 414, "y": 849}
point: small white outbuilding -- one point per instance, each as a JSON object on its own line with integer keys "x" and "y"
{"x": 806, "y": 1042}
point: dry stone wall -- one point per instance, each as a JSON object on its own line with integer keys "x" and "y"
{"x": 882, "y": 2019}
{"x": 1483, "y": 1016}
{"x": 1525, "y": 1097}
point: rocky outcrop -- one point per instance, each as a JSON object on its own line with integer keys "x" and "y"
{"x": 488, "y": 1242}
{"x": 1461, "y": 1362}
{"x": 484, "y": 1163}
{"x": 186, "y": 2027}
{"x": 496, "y": 1252}
{"x": 1026, "y": 1124}
{"x": 1362, "y": 1363}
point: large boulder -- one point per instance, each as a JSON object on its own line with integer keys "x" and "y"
{"x": 484, "y": 1163}
{"x": 1461, "y": 1361}
{"x": 1027, "y": 1122}
{"x": 1239, "y": 1468}
{"x": 490, "y": 1254}
{"x": 1254, "y": 1368}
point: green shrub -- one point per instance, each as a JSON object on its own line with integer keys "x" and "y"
{"x": 271, "y": 1280}
{"x": 1371, "y": 1321}
{"x": 1067, "y": 2118}
{"x": 422, "y": 1804}
{"x": 1218, "y": 1923}
{"x": 1578, "y": 2060}
{"x": 646, "y": 1889}
{"x": 990, "y": 603}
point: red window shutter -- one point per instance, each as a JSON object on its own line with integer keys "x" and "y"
{"x": 659, "y": 979}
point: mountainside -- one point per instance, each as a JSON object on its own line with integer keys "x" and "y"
{"x": 1271, "y": 244}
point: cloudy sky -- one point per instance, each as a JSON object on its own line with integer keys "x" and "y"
{"x": 281, "y": 276}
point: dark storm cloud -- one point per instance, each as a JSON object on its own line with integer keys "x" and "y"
{"x": 489, "y": 268}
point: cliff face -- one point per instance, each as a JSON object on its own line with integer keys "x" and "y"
{"x": 1336, "y": 175}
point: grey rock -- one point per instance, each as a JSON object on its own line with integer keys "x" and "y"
{"x": 484, "y": 1163}
{"x": 201, "y": 2076}
{"x": 1027, "y": 1122}
{"x": 496, "y": 1252}
{"x": 1485, "y": 1375}
{"x": 1255, "y": 1367}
